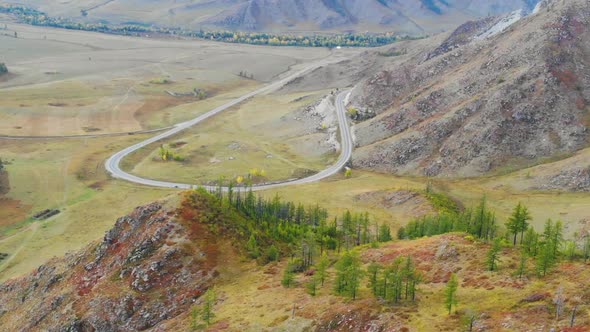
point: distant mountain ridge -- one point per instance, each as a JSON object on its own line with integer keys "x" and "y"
{"x": 401, "y": 16}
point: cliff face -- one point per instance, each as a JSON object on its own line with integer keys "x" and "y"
{"x": 148, "y": 268}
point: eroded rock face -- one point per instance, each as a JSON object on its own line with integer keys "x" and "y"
{"x": 577, "y": 179}
{"x": 470, "y": 106}
{"x": 147, "y": 269}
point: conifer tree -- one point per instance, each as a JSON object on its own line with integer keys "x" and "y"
{"x": 288, "y": 276}
{"x": 522, "y": 264}
{"x": 252, "y": 247}
{"x": 207, "y": 313}
{"x": 518, "y": 222}
{"x": 545, "y": 258}
{"x": 384, "y": 233}
{"x": 312, "y": 286}
{"x": 372, "y": 273}
{"x": 493, "y": 256}
{"x": 322, "y": 267}
{"x": 348, "y": 275}
{"x": 530, "y": 242}
{"x": 451, "y": 293}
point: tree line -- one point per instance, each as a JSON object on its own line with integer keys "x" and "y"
{"x": 38, "y": 18}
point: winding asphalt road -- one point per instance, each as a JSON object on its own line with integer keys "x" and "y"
{"x": 113, "y": 163}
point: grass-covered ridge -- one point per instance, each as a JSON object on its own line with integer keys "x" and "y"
{"x": 272, "y": 228}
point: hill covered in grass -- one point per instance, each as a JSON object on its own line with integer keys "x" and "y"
{"x": 152, "y": 269}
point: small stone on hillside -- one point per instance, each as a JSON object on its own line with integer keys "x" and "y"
{"x": 446, "y": 252}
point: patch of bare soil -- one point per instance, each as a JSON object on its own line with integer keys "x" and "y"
{"x": 156, "y": 104}
{"x": 12, "y": 211}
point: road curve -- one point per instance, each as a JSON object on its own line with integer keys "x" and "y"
{"x": 113, "y": 163}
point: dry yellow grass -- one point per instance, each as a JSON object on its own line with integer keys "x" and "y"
{"x": 254, "y": 135}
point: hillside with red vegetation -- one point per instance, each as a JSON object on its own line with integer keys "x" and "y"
{"x": 149, "y": 267}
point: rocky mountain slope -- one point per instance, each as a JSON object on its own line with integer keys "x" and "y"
{"x": 408, "y": 16}
{"x": 496, "y": 94}
{"x": 151, "y": 266}
{"x": 403, "y": 16}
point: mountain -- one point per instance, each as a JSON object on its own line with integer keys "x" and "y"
{"x": 414, "y": 17}
{"x": 496, "y": 94}
{"x": 402, "y": 16}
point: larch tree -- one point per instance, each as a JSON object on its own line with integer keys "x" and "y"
{"x": 373, "y": 273}
{"x": 451, "y": 293}
{"x": 288, "y": 276}
{"x": 493, "y": 256}
{"x": 545, "y": 258}
{"x": 518, "y": 222}
{"x": 207, "y": 313}
{"x": 321, "y": 269}
{"x": 522, "y": 264}
{"x": 252, "y": 247}
{"x": 349, "y": 274}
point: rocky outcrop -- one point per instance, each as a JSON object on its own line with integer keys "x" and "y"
{"x": 147, "y": 269}
{"x": 576, "y": 179}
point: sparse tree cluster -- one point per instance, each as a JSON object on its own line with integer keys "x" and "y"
{"x": 165, "y": 154}
{"x": 544, "y": 249}
{"x": 275, "y": 228}
{"x": 349, "y": 274}
{"x": 3, "y": 68}
{"x": 395, "y": 282}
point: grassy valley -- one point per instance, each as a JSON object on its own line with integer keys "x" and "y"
{"x": 465, "y": 205}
